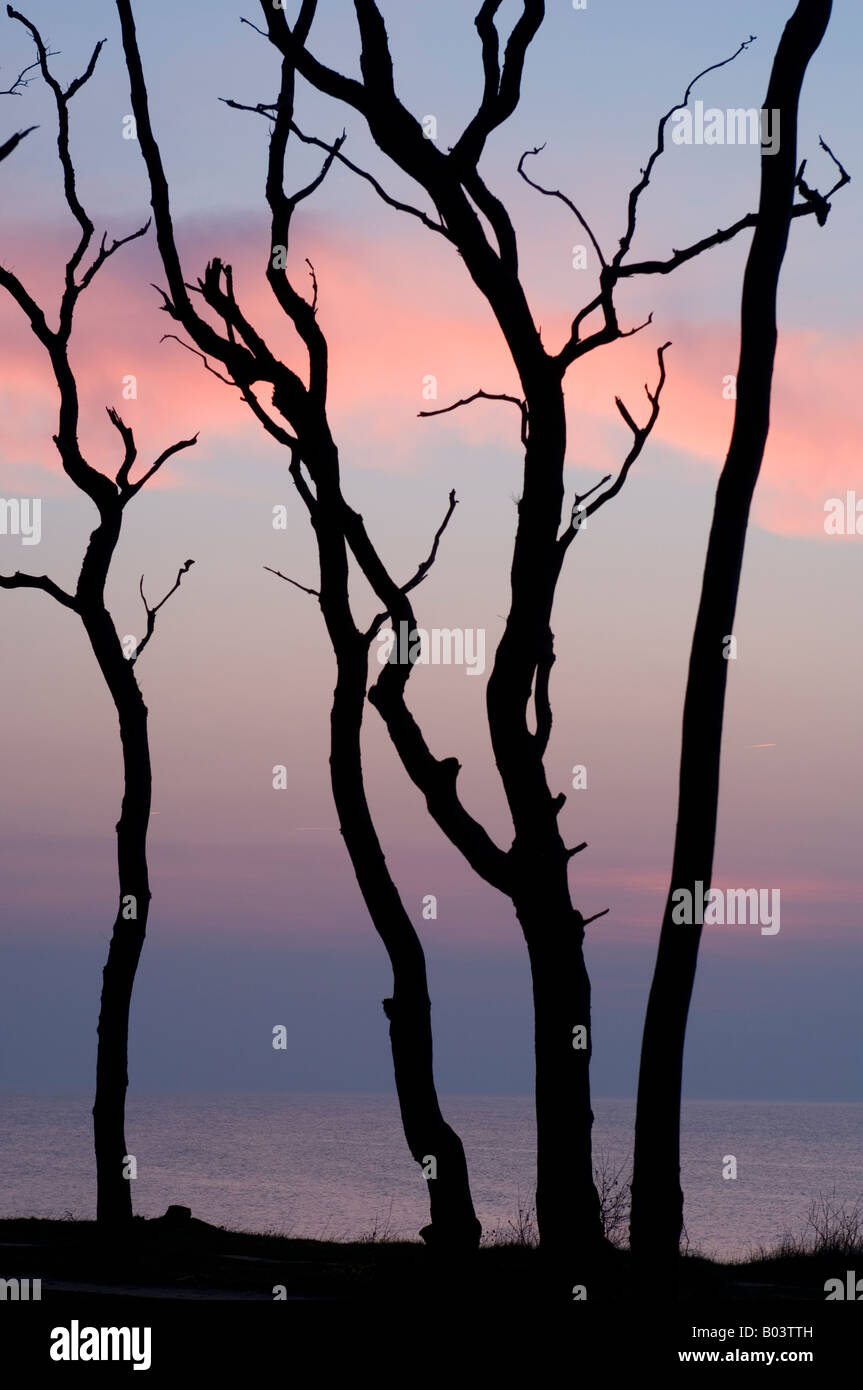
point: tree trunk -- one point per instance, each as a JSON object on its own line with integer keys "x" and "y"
{"x": 657, "y": 1198}
{"x": 454, "y": 1224}
{"x": 114, "y": 1198}
{"x": 567, "y": 1204}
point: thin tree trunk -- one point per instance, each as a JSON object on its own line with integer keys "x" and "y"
{"x": 114, "y": 1198}
{"x": 454, "y": 1224}
{"x": 657, "y": 1198}
{"x": 109, "y": 495}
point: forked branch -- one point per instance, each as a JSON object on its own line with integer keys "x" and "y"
{"x": 151, "y": 612}
{"x": 640, "y": 434}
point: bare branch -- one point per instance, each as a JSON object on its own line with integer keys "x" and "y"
{"x": 131, "y": 452}
{"x": 188, "y": 346}
{"x": 844, "y": 177}
{"x": 596, "y": 916}
{"x": 555, "y": 193}
{"x": 281, "y": 435}
{"x": 578, "y": 512}
{"x": 106, "y": 251}
{"x": 500, "y": 220}
{"x": 151, "y": 612}
{"x": 236, "y": 359}
{"x": 22, "y": 80}
{"x": 610, "y": 275}
{"x": 636, "y": 192}
{"x": 263, "y": 33}
{"x": 335, "y": 151}
{"x": 292, "y": 44}
{"x": 9, "y": 281}
{"x": 425, "y": 565}
{"x": 678, "y": 258}
{"x": 38, "y": 581}
{"x": 269, "y": 109}
{"x": 128, "y": 490}
{"x": 640, "y": 434}
{"x": 314, "y": 285}
{"x": 501, "y": 90}
{"x": 818, "y": 202}
{"x": 421, "y": 570}
{"x": 814, "y": 202}
{"x": 265, "y": 366}
{"x": 62, "y": 99}
{"x": 14, "y": 141}
{"x": 316, "y": 593}
{"x": 483, "y": 396}
{"x": 611, "y": 331}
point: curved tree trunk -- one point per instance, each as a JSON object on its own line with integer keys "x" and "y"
{"x": 454, "y": 1224}
{"x": 114, "y": 1199}
{"x": 657, "y": 1199}
{"x": 567, "y": 1204}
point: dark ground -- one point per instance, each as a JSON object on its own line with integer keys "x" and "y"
{"x": 393, "y": 1313}
{"x": 190, "y": 1259}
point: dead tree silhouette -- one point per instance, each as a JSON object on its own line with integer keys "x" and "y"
{"x": 110, "y": 496}
{"x": 22, "y": 81}
{"x": 657, "y": 1197}
{"x": 533, "y": 872}
{"x": 306, "y": 435}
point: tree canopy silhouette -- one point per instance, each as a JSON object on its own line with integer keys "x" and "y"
{"x": 315, "y": 470}
{"x": 110, "y": 497}
{"x": 533, "y": 871}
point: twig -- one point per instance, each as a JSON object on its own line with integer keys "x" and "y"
{"x": 151, "y": 612}
{"x": 556, "y": 193}
{"x": 640, "y": 434}
{"x": 316, "y": 593}
{"x": 483, "y": 396}
{"x": 587, "y": 920}
{"x": 14, "y": 141}
{"x": 270, "y": 109}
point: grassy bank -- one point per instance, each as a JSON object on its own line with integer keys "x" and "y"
{"x": 177, "y": 1258}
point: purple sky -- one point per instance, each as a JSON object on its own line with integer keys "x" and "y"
{"x": 256, "y": 919}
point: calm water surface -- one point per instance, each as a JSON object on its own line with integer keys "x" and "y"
{"x": 336, "y": 1166}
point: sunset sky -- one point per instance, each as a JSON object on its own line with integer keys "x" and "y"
{"x": 256, "y": 919}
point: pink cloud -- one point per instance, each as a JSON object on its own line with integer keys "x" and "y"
{"x": 393, "y": 322}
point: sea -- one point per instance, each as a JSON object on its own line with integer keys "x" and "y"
{"x": 336, "y": 1167}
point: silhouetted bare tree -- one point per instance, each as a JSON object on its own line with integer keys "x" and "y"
{"x": 110, "y": 496}
{"x": 303, "y": 409}
{"x": 657, "y": 1198}
{"x": 533, "y": 872}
